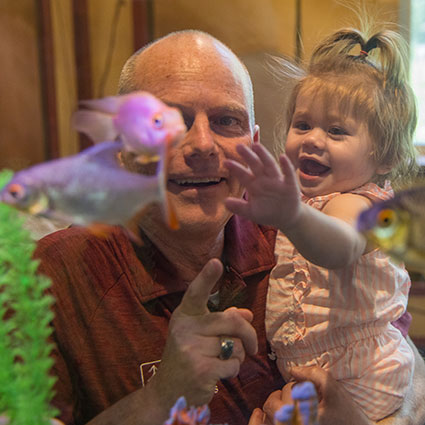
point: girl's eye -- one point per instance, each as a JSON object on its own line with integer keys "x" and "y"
{"x": 337, "y": 131}
{"x": 158, "y": 121}
{"x": 301, "y": 125}
{"x": 386, "y": 217}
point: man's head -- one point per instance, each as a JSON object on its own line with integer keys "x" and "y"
{"x": 206, "y": 81}
{"x": 130, "y": 79}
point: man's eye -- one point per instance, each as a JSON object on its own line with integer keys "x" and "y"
{"x": 228, "y": 125}
{"x": 227, "y": 121}
{"x": 337, "y": 131}
{"x": 188, "y": 121}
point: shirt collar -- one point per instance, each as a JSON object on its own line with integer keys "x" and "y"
{"x": 249, "y": 249}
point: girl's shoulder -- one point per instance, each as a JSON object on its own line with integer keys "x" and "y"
{"x": 374, "y": 192}
{"x": 369, "y": 190}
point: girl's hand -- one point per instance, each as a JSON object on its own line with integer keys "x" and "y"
{"x": 336, "y": 406}
{"x": 273, "y": 194}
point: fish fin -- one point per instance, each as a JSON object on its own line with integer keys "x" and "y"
{"x": 132, "y": 227}
{"x": 134, "y": 237}
{"x": 96, "y": 125}
{"x": 167, "y": 206}
{"x": 100, "y": 230}
{"x": 105, "y": 152}
{"x": 108, "y": 105}
{"x": 146, "y": 158}
{"x": 39, "y": 226}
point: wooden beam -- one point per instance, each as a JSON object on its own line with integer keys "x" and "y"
{"x": 47, "y": 72}
{"x": 142, "y": 23}
{"x": 82, "y": 57}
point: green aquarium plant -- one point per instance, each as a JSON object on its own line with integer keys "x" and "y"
{"x": 26, "y": 388}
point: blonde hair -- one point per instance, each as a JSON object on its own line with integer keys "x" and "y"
{"x": 373, "y": 86}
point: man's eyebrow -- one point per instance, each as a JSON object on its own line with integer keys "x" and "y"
{"x": 176, "y": 105}
{"x": 232, "y": 108}
{"x": 228, "y": 108}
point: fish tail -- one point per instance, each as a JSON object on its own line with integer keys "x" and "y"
{"x": 170, "y": 215}
{"x": 96, "y": 125}
{"x": 100, "y": 230}
{"x": 285, "y": 415}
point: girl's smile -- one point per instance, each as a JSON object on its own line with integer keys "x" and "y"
{"x": 331, "y": 151}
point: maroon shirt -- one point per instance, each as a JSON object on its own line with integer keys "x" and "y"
{"x": 113, "y": 305}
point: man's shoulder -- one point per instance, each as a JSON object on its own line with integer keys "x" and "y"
{"x": 81, "y": 263}
{"x": 76, "y": 237}
{"x": 76, "y": 252}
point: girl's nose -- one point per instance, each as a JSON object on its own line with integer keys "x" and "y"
{"x": 200, "y": 139}
{"x": 315, "y": 139}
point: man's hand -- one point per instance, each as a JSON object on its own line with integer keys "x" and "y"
{"x": 190, "y": 365}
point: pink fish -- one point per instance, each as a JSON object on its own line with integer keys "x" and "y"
{"x": 140, "y": 120}
{"x": 87, "y": 189}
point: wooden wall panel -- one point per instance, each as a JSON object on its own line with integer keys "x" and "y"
{"x": 320, "y": 17}
{"x": 108, "y": 54}
{"x": 22, "y": 139}
{"x": 247, "y": 26}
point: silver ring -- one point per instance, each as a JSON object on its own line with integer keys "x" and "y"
{"x": 226, "y": 348}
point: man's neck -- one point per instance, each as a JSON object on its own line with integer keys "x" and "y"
{"x": 188, "y": 254}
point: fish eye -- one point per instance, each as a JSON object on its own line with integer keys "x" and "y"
{"x": 17, "y": 191}
{"x": 158, "y": 121}
{"x": 386, "y": 217}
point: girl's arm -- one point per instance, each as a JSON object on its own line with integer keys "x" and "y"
{"x": 326, "y": 238}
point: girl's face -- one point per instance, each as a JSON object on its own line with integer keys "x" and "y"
{"x": 331, "y": 151}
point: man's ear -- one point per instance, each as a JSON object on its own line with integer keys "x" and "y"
{"x": 256, "y": 136}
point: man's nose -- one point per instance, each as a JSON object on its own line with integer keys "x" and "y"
{"x": 200, "y": 139}
{"x": 315, "y": 139}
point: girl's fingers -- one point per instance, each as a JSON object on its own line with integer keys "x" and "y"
{"x": 237, "y": 206}
{"x": 270, "y": 165}
{"x": 243, "y": 174}
{"x": 251, "y": 159}
{"x": 288, "y": 170}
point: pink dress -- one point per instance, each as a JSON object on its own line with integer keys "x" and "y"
{"x": 341, "y": 319}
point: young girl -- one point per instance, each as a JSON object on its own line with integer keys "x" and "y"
{"x": 332, "y": 297}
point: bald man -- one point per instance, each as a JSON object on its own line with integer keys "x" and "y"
{"x": 136, "y": 327}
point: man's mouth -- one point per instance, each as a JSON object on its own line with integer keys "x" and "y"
{"x": 198, "y": 182}
{"x": 312, "y": 167}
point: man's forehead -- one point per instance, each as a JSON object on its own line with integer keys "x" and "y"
{"x": 198, "y": 60}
